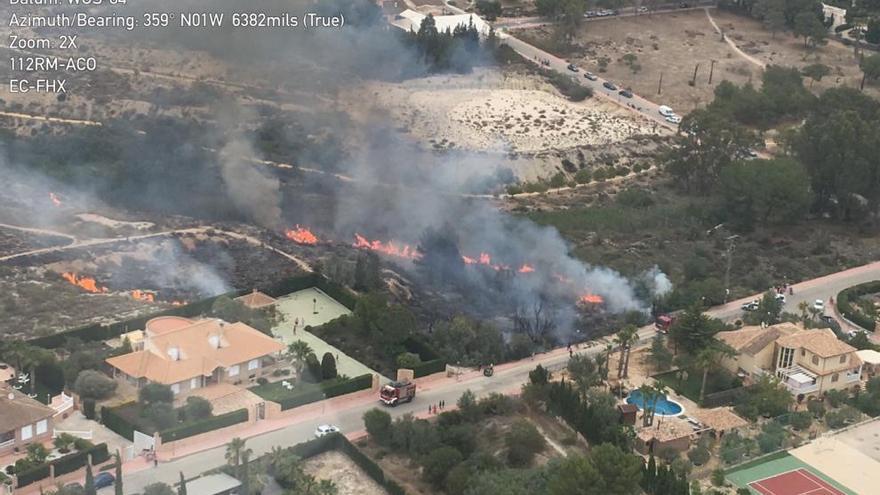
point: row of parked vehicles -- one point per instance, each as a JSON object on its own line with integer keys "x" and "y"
{"x": 664, "y": 110}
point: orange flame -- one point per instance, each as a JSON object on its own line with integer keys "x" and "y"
{"x": 301, "y": 235}
{"x": 591, "y": 299}
{"x": 526, "y": 268}
{"x": 87, "y": 283}
{"x": 177, "y": 303}
{"x": 54, "y": 198}
{"x": 388, "y": 248}
{"x": 143, "y": 296}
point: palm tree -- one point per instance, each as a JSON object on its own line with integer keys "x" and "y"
{"x": 625, "y": 338}
{"x": 804, "y": 308}
{"x": 117, "y": 485}
{"x": 181, "y": 488}
{"x": 646, "y": 391}
{"x": 299, "y": 350}
{"x": 708, "y": 358}
{"x": 244, "y": 476}
{"x": 275, "y": 457}
{"x": 233, "y": 452}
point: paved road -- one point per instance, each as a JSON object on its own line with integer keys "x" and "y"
{"x": 508, "y": 378}
{"x": 637, "y": 104}
{"x": 529, "y": 22}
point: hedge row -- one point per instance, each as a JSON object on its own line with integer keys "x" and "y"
{"x": 846, "y": 308}
{"x": 338, "y": 441}
{"x": 429, "y": 368}
{"x": 113, "y": 420}
{"x": 32, "y": 475}
{"x": 334, "y": 389}
{"x": 431, "y": 363}
{"x": 103, "y": 332}
{"x": 72, "y": 462}
{"x": 64, "y": 465}
{"x": 208, "y": 424}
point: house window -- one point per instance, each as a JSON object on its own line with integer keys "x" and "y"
{"x": 42, "y": 426}
{"x": 816, "y": 360}
{"x": 194, "y": 383}
{"x": 7, "y": 436}
{"x": 232, "y": 370}
{"x": 27, "y": 432}
{"x": 253, "y": 364}
{"x": 835, "y": 377}
{"x": 175, "y": 388}
{"x": 843, "y": 359}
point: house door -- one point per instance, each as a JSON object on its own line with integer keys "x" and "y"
{"x": 261, "y": 411}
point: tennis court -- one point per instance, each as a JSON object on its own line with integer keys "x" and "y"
{"x": 784, "y": 474}
{"x": 797, "y": 482}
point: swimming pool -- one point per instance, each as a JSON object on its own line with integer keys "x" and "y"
{"x": 665, "y": 406}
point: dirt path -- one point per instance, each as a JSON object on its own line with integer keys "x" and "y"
{"x": 730, "y": 42}
{"x": 55, "y": 120}
{"x": 38, "y": 231}
{"x": 99, "y": 242}
{"x": 556, "y": 446}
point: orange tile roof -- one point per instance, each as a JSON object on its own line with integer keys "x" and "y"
{"x": 822, "y": 342}
{"x": 751, "y": 340}
{"x": 256, "y": 300}
{"x": 201, "y": 348}
{"x": 17, "y": 409}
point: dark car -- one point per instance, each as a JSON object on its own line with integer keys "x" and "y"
{"x": 626, "y": 93}
{"x": 573, "y": 68}
{"x": 103, "y": 480}
{"x": 609, "y": 86}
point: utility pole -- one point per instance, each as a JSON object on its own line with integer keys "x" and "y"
{"x": 731, "y": 245}
{"x": 660, "y": 84}
{"x": 711, "y": 71}
{"x": 694, "y": 79}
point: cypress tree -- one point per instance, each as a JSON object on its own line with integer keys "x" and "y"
{"x": 650, "y": 479}
{"x": 117, "y": 485}
{"x": 90, "y": 480}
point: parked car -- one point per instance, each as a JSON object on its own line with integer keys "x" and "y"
{"x": 590, "y": 76}
{"x": 780, "y": 298}
{"x": 609, "y": 86}
{"x": 665, "y": 111}
{"x": 673, "y": 119}
{"x": 322, "y": 430}
{"x": 831, "y": 322}
{"x": 590, "y": 14}
{"x": 750, "y": 306}
{"x": 573, "y": 68}
{"x": 643, "y": 9}
{"x": 819, "y": 305}
{"x": 104, "y": 479}
{"x": 625, "y": 93}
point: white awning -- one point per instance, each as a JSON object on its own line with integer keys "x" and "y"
{"x": 869, "y": 356}
{"x": 800, "y": 378}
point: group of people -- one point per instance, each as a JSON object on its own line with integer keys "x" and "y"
{"x": 433, "y": 408}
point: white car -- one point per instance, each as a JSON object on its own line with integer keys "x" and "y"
{"x": 750, "y": 306}
{"x": 819, "y": 305}
{"x": 780, "y": 298}
{"x": 665, "y": 111}
{"x": 325, "y": 430}
{"x": 673, "y": 119}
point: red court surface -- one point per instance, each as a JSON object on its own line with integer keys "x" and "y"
{"x": 797, "y": 482}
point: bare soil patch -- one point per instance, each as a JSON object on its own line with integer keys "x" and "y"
{"x": 349, "y": 478}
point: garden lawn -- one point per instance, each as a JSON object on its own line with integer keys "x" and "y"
{"x": 718, "y": 381}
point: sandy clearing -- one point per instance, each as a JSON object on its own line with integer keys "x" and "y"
{"x": 495, "y": 112}
{"x": 349, "y": 478}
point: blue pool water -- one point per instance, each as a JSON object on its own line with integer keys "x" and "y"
{"x": 665, "y": 407}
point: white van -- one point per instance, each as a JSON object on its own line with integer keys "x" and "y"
{"x": 665, "y": 111}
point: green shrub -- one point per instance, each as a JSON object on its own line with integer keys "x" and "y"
{"x": 113, "y": 420}
{"x": 325, "y": 390}
{"x": 197, "y": 408}
{"x": 205, "y": 425}
{"x": 328, "y": 366}
{"x": 523, "y": 442}
{"x": 699, "y": 455}
{"x": 32, "y": 475}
